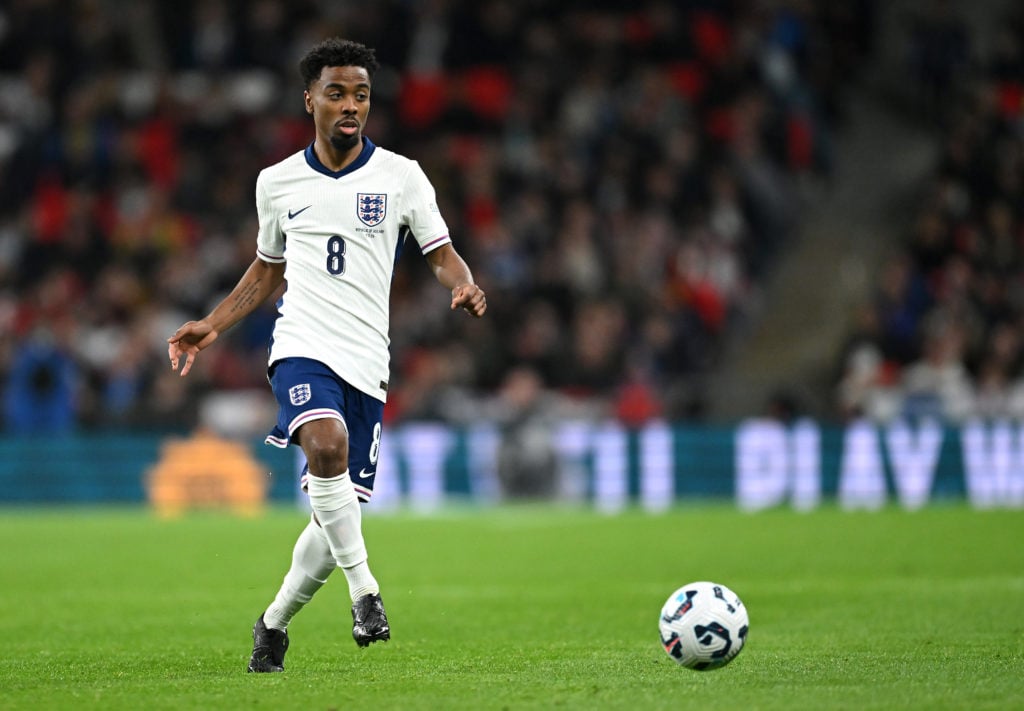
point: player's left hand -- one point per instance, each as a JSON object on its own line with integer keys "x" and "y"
{"x": 471, "y": 298}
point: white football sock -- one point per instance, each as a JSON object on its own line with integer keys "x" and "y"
{"x": 312, "y": 563}
{"x": 337, "y": 509}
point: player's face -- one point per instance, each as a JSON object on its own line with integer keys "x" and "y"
{"x": 339, "y": 102}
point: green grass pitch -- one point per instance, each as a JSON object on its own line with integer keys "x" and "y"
{"x": 530, "y": 607}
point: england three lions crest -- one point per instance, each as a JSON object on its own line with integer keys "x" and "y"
{"x": 371, "y": 208}
{"x": 300, "y": 394}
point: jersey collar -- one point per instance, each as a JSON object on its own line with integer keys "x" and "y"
{"x": 359, "y": 162}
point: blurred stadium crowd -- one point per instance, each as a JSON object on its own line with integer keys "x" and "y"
{"x": 943, "y": 334}
{"x": 620, "y": 176}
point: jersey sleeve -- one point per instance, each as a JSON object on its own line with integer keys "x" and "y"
{"x": 270, "y": 240}
{"x": 421, "y": 214}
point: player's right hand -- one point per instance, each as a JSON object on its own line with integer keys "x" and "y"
{"x": 187, "y": 341}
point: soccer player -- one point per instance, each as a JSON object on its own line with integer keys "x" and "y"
{"x": 332, "y": 220}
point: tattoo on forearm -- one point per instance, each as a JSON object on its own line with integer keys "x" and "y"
{"x": 246, "y": 298}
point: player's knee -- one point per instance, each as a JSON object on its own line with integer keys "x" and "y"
{"x": 325, "y": 443}
{"x": 327, "y": 460}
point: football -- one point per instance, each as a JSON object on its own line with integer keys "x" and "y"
{"x": 703, "y": 626}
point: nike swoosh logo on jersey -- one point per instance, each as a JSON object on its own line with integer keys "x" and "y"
{"x": 363, "y": 474}
{"x": 297, "y": 212}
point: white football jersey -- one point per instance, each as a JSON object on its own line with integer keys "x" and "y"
{"x": 339, "y": 235}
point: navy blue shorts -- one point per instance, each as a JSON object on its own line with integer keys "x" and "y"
{"x": 308, "y": 390}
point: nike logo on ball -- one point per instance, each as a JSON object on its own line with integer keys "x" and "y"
{"x": 298, "y": 212}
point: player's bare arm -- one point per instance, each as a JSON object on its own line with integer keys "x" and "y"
{"x": 453, "y": 272}
{"x": 260, "y": 280}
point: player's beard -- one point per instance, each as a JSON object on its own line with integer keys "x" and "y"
{"x": 345, "y": 142}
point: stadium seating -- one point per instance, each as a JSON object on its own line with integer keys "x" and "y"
{"x": 612, "y": 171}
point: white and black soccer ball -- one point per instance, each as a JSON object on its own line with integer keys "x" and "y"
{"x": 703, "y": 626}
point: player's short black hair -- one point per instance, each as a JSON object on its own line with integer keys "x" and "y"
{"x": 336, "y": 52}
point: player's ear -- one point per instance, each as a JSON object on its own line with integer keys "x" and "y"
{"x": 309, "y": 102}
